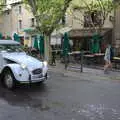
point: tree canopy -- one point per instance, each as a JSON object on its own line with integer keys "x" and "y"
{"x": 48, "y": 13}
{"x": 2, "y": 4}
{"x": 92, "y": 7}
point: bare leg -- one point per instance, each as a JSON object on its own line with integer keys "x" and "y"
{"x": 110, "y": 65}
{"x": 106, "y": 66}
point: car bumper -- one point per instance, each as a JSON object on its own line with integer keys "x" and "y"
{"x": 34, "y": 80}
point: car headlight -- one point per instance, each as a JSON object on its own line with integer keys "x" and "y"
{"x": 23, "y": 66}
{"x": 45, "y": 63}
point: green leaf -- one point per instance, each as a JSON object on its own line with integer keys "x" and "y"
{"x": 48, "y": 13}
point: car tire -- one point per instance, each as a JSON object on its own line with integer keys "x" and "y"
{"x": 8, "y": 79}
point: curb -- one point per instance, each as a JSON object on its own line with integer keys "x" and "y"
{"x": 92, "y": 67}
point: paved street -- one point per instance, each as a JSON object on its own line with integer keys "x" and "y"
{"x": 63, "y": 97}
{"x": 70, "y": 42}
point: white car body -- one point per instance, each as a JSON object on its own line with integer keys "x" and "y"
{"x": 26, "y": 69}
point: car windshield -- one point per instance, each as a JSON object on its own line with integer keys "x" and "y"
{"x": 11, "y": 48}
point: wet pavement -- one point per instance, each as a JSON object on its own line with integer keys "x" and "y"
{"x": 63, "y": 97}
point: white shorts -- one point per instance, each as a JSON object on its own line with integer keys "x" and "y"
{"x": 106, "y": 59}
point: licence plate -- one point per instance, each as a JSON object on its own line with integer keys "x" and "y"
{"x": 38, "y": 76}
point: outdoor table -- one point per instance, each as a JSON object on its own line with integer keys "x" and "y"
{"x": 94, "y": 58}
{"x": 77, "y": 52}
{"x": 89, "y": 58}
{"x": 116, "y": 61}
{"x": 99, "y": 54}
{"x": 99, "y": 58}
{"x": 89, "y": 55}
{"x": 76, "y": 55}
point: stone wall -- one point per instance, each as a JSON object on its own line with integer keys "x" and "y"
{"x": 116, "y": 40}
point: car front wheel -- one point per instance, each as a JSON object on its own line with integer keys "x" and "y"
{"x": 9, "y": 80}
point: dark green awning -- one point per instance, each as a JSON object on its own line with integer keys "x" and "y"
{"x": 28, "y": 30}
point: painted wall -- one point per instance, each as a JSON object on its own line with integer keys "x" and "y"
{"x": 117, "y": 29}
{"x": 9, "y": 22}
{"x": 76, "y": 24}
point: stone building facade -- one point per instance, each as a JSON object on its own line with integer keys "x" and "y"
{"x": 16, "y": 18}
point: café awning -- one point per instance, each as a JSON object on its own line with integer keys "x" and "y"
{"x": 80, "y": 33}
{"x": 28, "y": 30}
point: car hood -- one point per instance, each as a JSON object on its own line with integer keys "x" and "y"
{"x": 23, "y": 58}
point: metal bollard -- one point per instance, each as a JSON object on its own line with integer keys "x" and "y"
{"x": 81, "y": 70}
{"x": 66, "y": 62}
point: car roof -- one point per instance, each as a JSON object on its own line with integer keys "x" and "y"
{"x": 10, "y": 42}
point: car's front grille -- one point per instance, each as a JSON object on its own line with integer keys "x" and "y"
{"x": 35, "y": 77}
{"x": 37, "y": 71}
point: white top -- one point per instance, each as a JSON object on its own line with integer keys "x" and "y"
{"x": 107, "y": 54}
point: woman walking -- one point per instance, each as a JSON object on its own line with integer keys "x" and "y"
{"x": 107, "y": 58}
